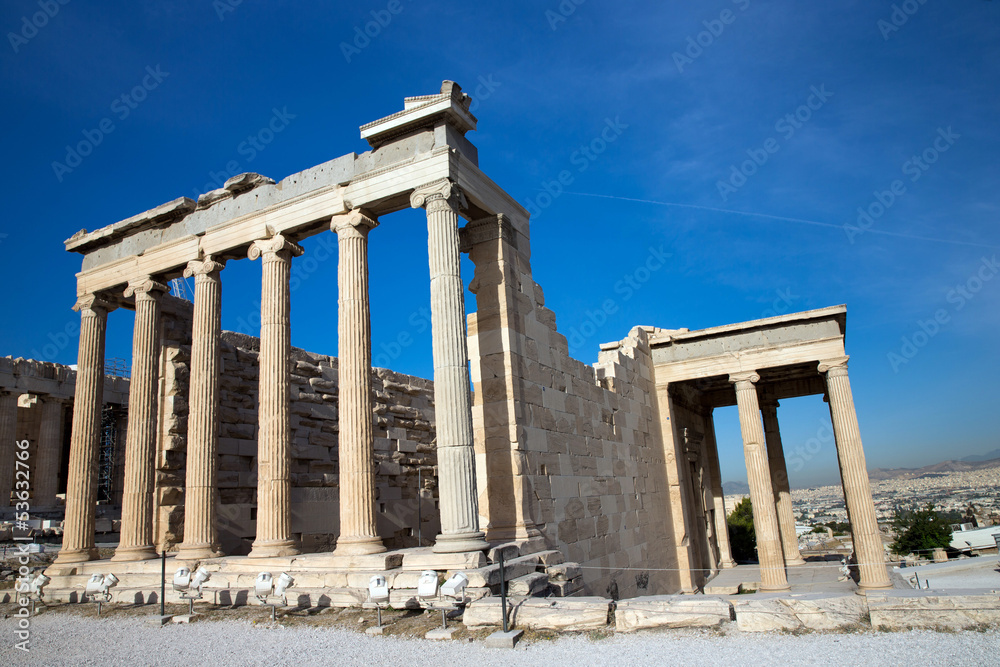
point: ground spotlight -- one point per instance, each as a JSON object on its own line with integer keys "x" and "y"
{"x": 33, "y": 585}
{"x": 427, "y": 585}
{"x": 100, "y": 585}
{"x": 378, "y": 594}
{"x": 190, "y": 585}
{"x": 266, "y": 585}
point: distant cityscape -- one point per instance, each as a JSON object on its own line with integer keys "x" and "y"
{"x": 949, "y": 490}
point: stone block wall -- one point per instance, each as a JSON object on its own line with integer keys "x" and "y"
{"x": 564, "y": 450}
{"x": 404, "y": 447}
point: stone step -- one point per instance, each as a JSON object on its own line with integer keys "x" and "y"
{"x": 490, "y": 575}
{"x": 567, "y": 614}
{"x": 534, "y": 583}
{"x": 564, "y": 589}
{"x": 671, "y": 611}
{"x": 563, "y": 571}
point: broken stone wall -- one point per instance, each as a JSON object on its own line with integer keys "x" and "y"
{"x": 404, "y": 445}
{"x": 563, "y": 448}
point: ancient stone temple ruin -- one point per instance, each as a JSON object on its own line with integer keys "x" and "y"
{"x": 244, "y": 455}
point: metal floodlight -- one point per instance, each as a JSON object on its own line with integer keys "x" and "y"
{"x": 263, "y": 586}
{"x": 182, "y": 579}
{"x": 427, "y": 585}
{"x": 37, "y": 584}
{"x": 455, "y": 586}
{"x": 200, "y": 577}
{"x": 378, "y": 589}
{"x": 284, "y": 582}
{"x": 110, "y": 581}
{"x": 95, "y": 584}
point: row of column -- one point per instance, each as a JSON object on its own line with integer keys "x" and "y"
{"x": 44, "y": 464}
{"x": 358, "y": 534}
{"x": 774, "y": 521}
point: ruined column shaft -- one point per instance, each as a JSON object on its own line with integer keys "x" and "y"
{"x": 765, "y": 519}
{"x": 81, "y": 485}
{"x": 358, "y": 531}
{"x": 857, "y": 488}
{"x": 8, "y": 447}
{"x": 274, "y": 535}
{"x": 140, "y": 441}
{"x": 200, "y": 530}
{"x": 718, "y": 496}
{"x": 780, "y": 485}
{"x": 452, "y": 399}
{"x": 45, "y": 469}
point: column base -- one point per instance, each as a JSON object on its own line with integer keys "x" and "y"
{"x": 728, "y": 564}
{"x": 135, "y": 553}
{"x": 874, "y": 587}
{"x": 358, "y": 546}
{"x": 197, "y": 551}
{"x": 460, "y": 542}
{"x": 76, "y": 556}
{"x": 795, "y": 561}
{"x": 774, "y": 588}
{"x": 273, "y": 548}
{"x": 518, "y": 532}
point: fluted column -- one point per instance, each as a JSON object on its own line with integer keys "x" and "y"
{"x": 452, "y": 399}
{"x": 8, "y": 431}
{"x": 81, "y": 484}
{"x": 765, "y": 518}
{"x": 200, "y": 532}
{"x": 274, "y": 515}
{"x": 779, "y": 483}
{"x": 45, "y": 470}
{"x": 857, "y": 488}
{"x": 358, "y": 532}
{"x": 718, "y": 496}
{"x": 140, "y": 441}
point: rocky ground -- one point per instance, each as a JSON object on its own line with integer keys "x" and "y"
{"x": 73, "y": 635}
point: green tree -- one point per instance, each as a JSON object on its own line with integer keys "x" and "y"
{"x": 920, "y": 531}
{"x": 742, "y": 538}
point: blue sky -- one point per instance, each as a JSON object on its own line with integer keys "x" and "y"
{"x": 747, "y": 135}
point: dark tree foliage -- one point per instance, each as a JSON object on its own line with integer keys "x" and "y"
{"x": 742, "y": 539}
{"x": 920, "y": 530}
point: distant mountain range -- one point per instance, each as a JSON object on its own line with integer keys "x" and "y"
{"x": 977, "y": 462}
{"x": 965, "y": 465}
{"x": 988, "y": 456}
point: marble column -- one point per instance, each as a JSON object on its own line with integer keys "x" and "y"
{"x": 8, "y": 447}
{"x": 274, "y": 514}
{"x": 452, "y": 398}
{"x": 358, "y": 531}
{"x": 857, "y": 488}
{"x": 200, "y": 495}
{"x": 140, "y": 441}
{"x": 765, "y": 518}
{"x": 81, "y": 485}
{"x": 779, "y": 483}
{"x": 45, "y": 471}
{"x": 718, "y": 495}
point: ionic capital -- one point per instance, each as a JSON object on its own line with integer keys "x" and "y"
{"x": 834, "y": 367}
{"x": 357, "y": 222}
{"x": 744, "y": 378}
{"x": 94, "y": 304}
{"x": 145, "y": 286}
{"x": 204, "y": 267}
{"x": 438, "y": 195}
{"x": 276, "y": 247}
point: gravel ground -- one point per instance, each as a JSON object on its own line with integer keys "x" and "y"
{"x": 69, "y": 639}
